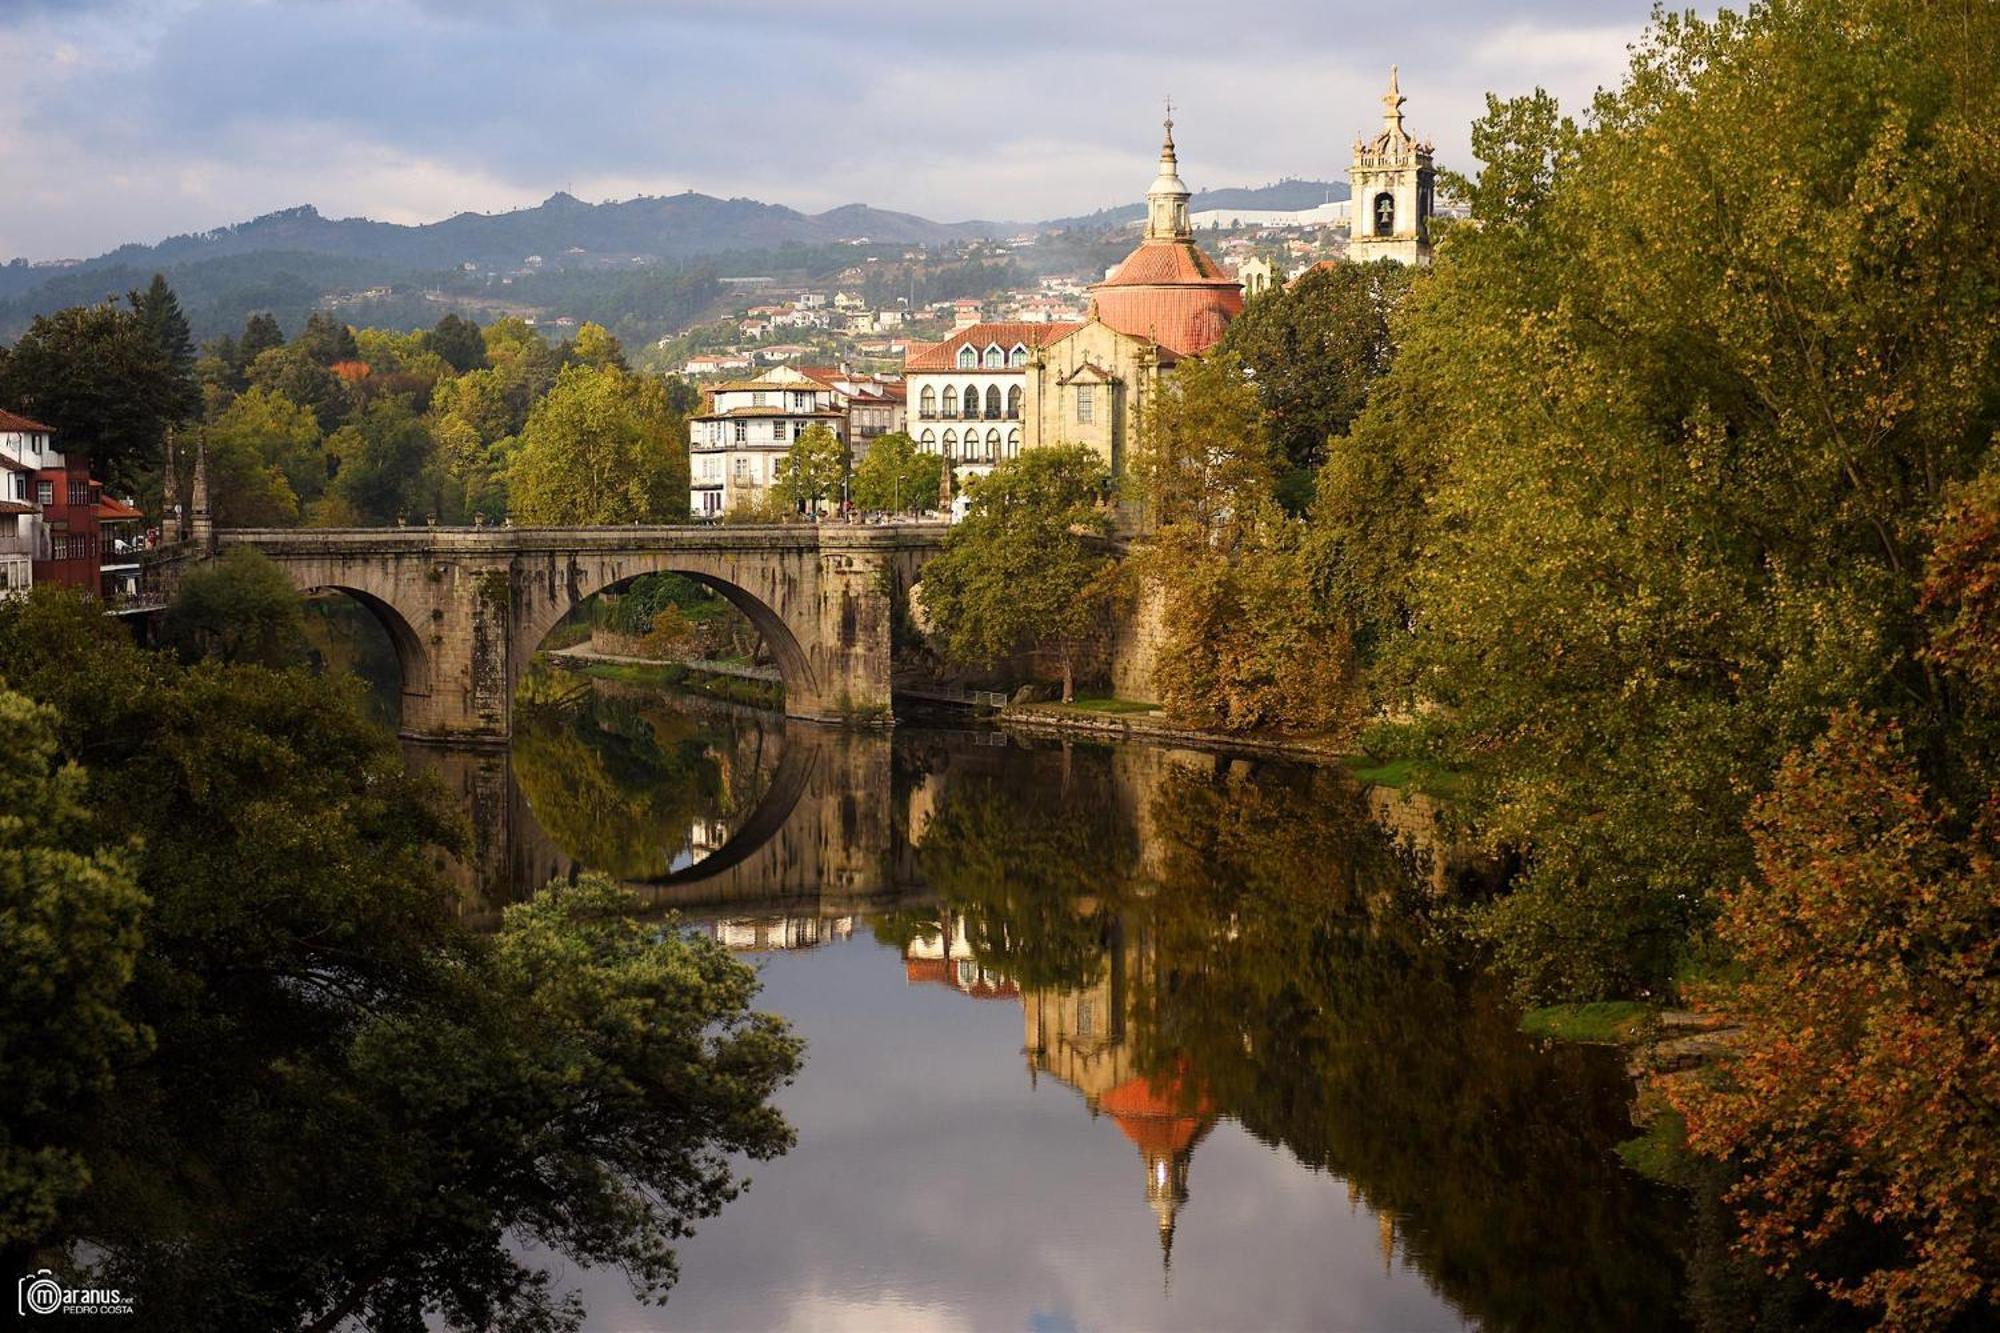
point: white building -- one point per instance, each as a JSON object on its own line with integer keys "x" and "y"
{"x": 736, "y": 445}
{"x": 967, "y": 394}
{"x": 1333, "y": 213}
{"x": 26, "y": 448}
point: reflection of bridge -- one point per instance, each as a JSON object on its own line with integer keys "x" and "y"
{"x": 467, "y": 607}
{"x": 820, "y": 841}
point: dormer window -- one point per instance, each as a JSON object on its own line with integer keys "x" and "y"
{"x": 968, "y": 359}
{"x": 1019, "y": 356}
{"x": 995, "y": 358}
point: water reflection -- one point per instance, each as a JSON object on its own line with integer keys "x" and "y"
{"x": 1227, "y": 961}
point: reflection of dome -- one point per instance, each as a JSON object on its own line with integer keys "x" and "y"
{"x": 1165, "y": 1123}
{"x": 1167, "y": 290}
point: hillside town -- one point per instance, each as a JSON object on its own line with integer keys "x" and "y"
{"x": 974, "y": 381}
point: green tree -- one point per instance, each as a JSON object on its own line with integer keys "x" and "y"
{"x": 72, "y": 913}
{"x": 602, "y": 447}
{"x": 813, "y": 469}
{"x": 321, "y": 1110}
{"x": 1248, "y": 645}
{"x": 266, "y": 455}
{"x": 159, "y": 312}
{"x": 594, "y": 346}
{"x": 1313, "y": 350}
{"x": 386, "y": 466}
{"x": 1027, "y": 569}
{"x": 239, "y": 608}
{"x": 260, "y": 334}
{"x": 327, "y": 340}
{"x": 97, "y": 376}
{"x": 291, "y": 373}
{"x": 1668, "y": 474}
{"x": 895, "y": 476}
{"x": 459, "y": 342}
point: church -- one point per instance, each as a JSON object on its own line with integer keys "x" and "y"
{"x": 1078, "y": 383}
{"x": 990, "y": 390}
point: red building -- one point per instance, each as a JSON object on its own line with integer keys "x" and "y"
{"x": 52, "y": 506}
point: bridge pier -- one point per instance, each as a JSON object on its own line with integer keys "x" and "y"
{"x": 467, "y": 608}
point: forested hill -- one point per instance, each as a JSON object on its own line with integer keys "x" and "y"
{"x": 630, "y": 265}
{"x": 681, "y": 226}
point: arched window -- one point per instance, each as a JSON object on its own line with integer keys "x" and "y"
{"x": 971, "y": 401}
{"x": 995, "y": 358}
{"x": 1014, "y": 403}
{"x": 928, "y": 408}
{"x": 1385, "y": 214}
{"x": 1019, "y": 356}
{"x": 993, "y": 444}
{"x": 951, "y": 444}
{"x": 1014, "y": 443}
{"x": 951, "y": 400}
{"x": 967, "y": 358}
{"x": 928, "y": 442}
{"x": 992, "y": 402}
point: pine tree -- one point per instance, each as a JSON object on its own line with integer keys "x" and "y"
{"x": 159, "y": 312}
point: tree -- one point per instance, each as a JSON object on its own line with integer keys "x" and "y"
{"x": 594, "y": 346}
{"x": 159, "y": 312}
{"x": 602, "y": 447}
{"x": 292, "y": 373}
{"x": 1248, "y": 644}
{"x": 72, "y": 913}
{"x": 327, "y": 340}
{"x": 812, "y": 469}
{"x": 895, "y": 476}
{"x": 458, "y": 341}
{"x": 386, "y": 466}
{"x": 1862, "y": 1101}
{"x": 260, "y": 334}
{"x": 1665, "y": 485}
{"x": 265, "y": 458}
{"x": 240, "y": 608}
{"x": 308, "y": 985}
{"x": 1027, "y": 568}
{"x": 97, "y": 376}
{"x": 1314, "y": 350}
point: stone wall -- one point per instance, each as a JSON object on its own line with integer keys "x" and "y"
{"x": 1138, "y": 628}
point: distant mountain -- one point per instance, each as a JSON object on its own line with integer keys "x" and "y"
{"x": 296, "y": 260}
{"x": 1285, "y": 195}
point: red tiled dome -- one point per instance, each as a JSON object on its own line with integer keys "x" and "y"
{"x": 1172, "y": 293}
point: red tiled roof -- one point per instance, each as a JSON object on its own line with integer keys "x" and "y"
{"x": 1172, "y": 293}
{"x": 115, "y": 511}
{"x": 938, "y": 355}
{"x": 10, "y": 421}
{"x": 12, "y": 466}
{"x": 16, "y": 507}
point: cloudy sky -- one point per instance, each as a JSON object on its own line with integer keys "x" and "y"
{"x": 136, "y": 119}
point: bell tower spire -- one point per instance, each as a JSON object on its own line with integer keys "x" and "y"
{"x": 1393, "y": 180}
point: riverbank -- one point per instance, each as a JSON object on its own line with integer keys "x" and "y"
{"x": 752, "y": 686}
{"x": 1125, "y": 720}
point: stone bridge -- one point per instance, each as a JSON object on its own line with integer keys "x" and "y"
{"x": 467, "y": 607}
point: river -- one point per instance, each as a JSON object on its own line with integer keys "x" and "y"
{"x": 1098, "y": 1037}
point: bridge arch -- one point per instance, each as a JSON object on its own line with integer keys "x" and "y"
{"x": 412, "y": 658}
{"x": 795, "y": 666}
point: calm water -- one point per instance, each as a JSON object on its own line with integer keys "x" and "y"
{"x": 1098, "y": 1038}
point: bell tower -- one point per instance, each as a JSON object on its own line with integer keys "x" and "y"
{"x": 1389, "y": 213}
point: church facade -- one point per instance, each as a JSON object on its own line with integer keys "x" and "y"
{"x": 1087, "y": 383}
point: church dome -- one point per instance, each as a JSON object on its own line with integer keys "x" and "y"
{"x": 1168, "y": 290}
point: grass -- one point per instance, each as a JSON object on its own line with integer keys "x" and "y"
{"x": 673, "y": 676}
{"x": 1111, "y": 706}
{"x": 1406, "y": 774}
{"x": 1661, "y": 1153}
{"x": 1606, "y": 1022}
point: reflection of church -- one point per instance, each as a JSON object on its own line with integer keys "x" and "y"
{"x": 767, "y": 934}
{"x": 1079, "y": 1037}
